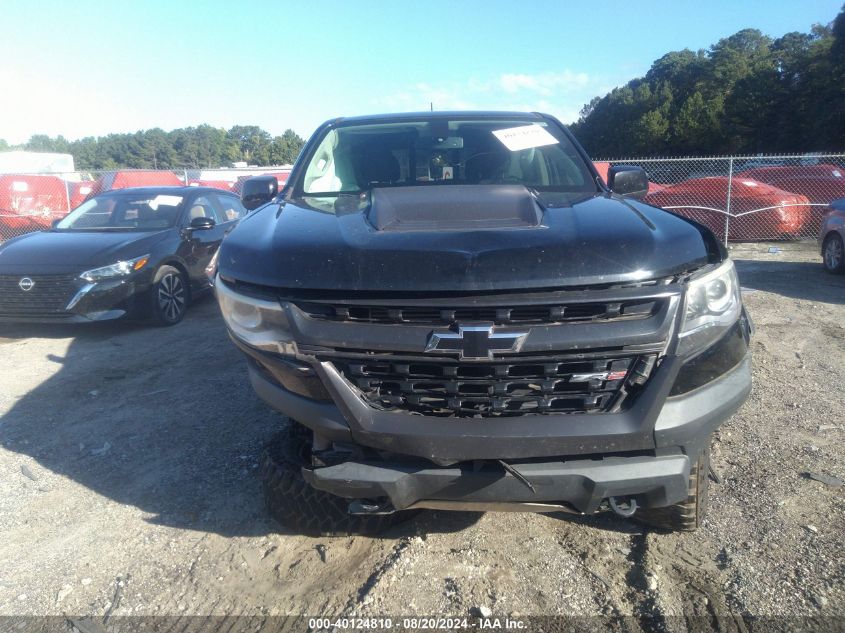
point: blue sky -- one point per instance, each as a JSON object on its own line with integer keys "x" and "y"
{"x": 89, "y": 68}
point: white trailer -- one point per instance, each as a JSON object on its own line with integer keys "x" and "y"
{"x": 21, "y": 162}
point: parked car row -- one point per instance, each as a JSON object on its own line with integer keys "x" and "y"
{"x": 768, "y": 200}
{"x": 31, "y": 202}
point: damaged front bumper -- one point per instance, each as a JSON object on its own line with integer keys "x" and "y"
{"x": 581, "y": 484}
{"x": 389, "y": 460}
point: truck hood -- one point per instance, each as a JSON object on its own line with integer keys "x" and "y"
{"x": 455, "y": 238}
{"x": 50, "y": 252}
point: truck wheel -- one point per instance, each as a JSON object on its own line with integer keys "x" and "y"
{"x": 687, "y": 515}
{"x": 295, "y": 504}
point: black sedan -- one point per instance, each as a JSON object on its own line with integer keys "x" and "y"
{"x": 138, "y": 252}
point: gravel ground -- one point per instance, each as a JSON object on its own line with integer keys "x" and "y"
{"x": 128, "y": 460}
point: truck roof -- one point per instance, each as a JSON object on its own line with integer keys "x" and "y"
{"x": 455, "y": 114}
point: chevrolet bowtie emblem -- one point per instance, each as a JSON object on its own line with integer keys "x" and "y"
{"x": 475, "y": 342}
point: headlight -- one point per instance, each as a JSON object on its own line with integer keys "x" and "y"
{"x": 257, "y": 322}
{"x": 713, "y": 304}
{"x": 120, "y": 269}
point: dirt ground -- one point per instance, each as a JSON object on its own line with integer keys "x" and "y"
{"x": 128, "y": 461}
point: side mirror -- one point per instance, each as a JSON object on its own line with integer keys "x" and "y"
{"x": 259, "y": 190}
{"x": 55, "y": 223}
{"x": 202, "y": 224}
{"x": 626, "y": 180}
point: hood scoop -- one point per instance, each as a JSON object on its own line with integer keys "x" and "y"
{"x": 453, "y": 208}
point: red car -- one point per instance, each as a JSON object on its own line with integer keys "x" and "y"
{"x": 758, "y": 210}
{"x": 821, "y": 184}
{"x": 30, "y": 203}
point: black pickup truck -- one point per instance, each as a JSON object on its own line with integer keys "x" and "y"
{"x": 456, "y": 312}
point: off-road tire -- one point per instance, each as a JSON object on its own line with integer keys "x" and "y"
{"x": 291, "y": 501}
{"x": 687, "y": 515}
{"x": 169, "y": 282}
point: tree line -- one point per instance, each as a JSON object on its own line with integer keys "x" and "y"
{"x": 748, "y": 93}
{"x": 203, "y": 146}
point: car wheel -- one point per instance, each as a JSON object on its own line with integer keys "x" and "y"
{"x": 169, "y": 296}
{"x": 833, "y": 254}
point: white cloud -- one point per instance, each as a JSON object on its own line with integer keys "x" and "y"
{"x": 559, "y": 93}
{"x": 544, "y": 83}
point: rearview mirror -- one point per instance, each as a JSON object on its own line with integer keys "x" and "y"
{"x": 202, "y": 223}
{"x": 259, "y": 190}
{"x": 627, "y": 180}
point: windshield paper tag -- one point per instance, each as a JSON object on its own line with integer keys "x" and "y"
{"x": 524, "y": 137}
{"x": 164, "y": 199}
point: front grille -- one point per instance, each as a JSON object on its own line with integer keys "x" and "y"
{"x": 49, "y": 295}
{"x": 451, "y": 388}
{"x": 500, "y": 315}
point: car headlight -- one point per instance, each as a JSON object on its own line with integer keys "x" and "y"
{"x": 118, "y": 269}
{"x": 713, "y": 305}
{"x": 260, "y": 323}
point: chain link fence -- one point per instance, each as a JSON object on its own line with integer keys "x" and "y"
{"x": 740, "y": 198}
{"x": 746, "y": 198}
{"x": 32, "y": 202}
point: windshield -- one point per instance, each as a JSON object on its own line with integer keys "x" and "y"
{"x": 357, "y": 157}
{"x": 125, "y": 212}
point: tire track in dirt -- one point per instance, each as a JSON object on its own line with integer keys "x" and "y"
{"x": 285, "y": 575}
{"x": 642, "y": 594}
{"x": 682, "y": 586}
{"x": 362, "y": 597}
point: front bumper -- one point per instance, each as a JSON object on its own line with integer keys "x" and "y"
{"x": 655, "y": 477}
{"x": 103, "y": 301}
{"x": 581, "y": 484}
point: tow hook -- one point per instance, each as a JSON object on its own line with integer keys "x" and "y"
{"x": 623, "y": 508}
{"x": 362, "y": 506}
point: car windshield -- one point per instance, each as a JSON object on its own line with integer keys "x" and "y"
{"x": 356, "y": 157}
{"x": 125, "y": 212}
